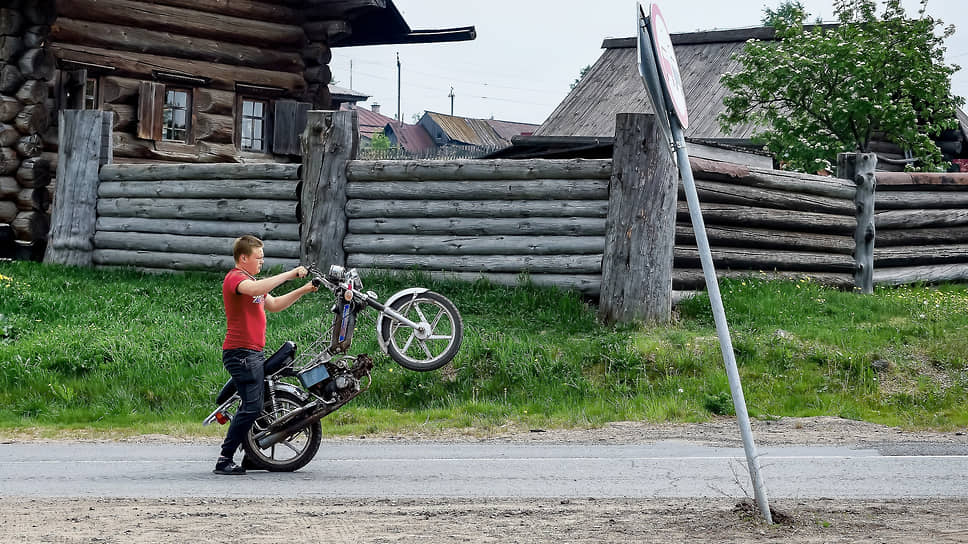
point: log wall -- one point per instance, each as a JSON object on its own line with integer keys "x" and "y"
{"x": 547, "y": 218}
{"x": 26, "y": 67}
{"x": 206, "y": 47}
{"x": 921, "y": 223}
{"x": 186, "y": 216}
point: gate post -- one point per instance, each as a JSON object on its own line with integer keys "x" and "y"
{"x": 640, "y": 228}
{"x": 860, "y": 168}
{"x": 331, "y": 138}
{"x": 84, "y": 145}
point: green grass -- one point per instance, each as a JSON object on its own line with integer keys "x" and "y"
{"x": 121, "y": 351}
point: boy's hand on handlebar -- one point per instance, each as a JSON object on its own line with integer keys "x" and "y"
{"x": 300, "y": 271}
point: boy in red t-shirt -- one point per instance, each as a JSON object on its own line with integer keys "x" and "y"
{"x": 246, "y": 301}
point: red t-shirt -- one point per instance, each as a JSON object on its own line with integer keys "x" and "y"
{"x": 245, "y": 315}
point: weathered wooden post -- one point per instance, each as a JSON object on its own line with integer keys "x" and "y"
{"x": 84, "y": 146}
{"x": 860, "y": 167}
{"x": 331, "y": 138}
{"x": 640, "y": 227}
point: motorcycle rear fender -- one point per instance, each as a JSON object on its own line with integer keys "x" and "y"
{"x": 393, "y": 298}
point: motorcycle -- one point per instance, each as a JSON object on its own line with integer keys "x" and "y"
{"x": 419, "y": 329}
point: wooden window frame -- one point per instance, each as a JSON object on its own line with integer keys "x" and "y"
{"x": 92, "y": 92}
{"x": 189, "y": 113}
{"x": 266, "y": 124}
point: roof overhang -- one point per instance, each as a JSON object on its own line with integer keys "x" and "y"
{"x": 378, "y": 22}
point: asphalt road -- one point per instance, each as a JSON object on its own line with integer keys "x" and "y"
{"x": 369, "y": 469}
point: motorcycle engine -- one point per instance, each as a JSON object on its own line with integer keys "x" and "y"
{"x": 344, "y": 382}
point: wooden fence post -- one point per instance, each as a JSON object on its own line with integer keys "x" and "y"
{"x": 860, "y": 167}
{"x": 331, "y": 138}
{"x": 84, "y": 146}
{"x": 640, "y": 227}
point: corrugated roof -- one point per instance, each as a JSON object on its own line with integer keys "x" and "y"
{"x": 413, "y": 138}
{"x": 467, "y": 131}
{"x": 613, "y": 86}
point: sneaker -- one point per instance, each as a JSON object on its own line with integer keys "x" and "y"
{"x": 226, "y": 466}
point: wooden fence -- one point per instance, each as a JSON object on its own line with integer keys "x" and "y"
{"x": 921, "y": 223}
{"x": 501, "y": 218}
{"x": 164, "y": 216}
{"x": 496, "y": 218}
{"x": 187, "y": 216}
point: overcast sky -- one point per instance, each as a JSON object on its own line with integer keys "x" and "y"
{"x": 528, "y": 52}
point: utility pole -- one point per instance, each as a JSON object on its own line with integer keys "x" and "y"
{"x": 399, "y": 113}
{"x": 451, "y": 95}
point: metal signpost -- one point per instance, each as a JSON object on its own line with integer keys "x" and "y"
{"x": 660, "y": 71}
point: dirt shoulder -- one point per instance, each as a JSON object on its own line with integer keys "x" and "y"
{"x": 487, "y": 521}
{"x": 515, "y": 520}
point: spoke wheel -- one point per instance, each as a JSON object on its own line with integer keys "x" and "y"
{"x": 435, "y": 341}
{"x": 292, "y": 453}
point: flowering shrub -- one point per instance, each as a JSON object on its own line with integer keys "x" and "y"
{"x": 822, "y": 90}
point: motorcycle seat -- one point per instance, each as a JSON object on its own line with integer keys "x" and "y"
{"x": 273, "y": 364}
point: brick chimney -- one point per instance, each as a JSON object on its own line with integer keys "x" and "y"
{"x": 375, "y": 108}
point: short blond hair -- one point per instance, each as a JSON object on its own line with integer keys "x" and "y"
{"x": 245, "y": 245}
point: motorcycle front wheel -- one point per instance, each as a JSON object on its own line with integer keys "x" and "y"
{"x": 434, "y": 343}
{"x": 292, "y": 453}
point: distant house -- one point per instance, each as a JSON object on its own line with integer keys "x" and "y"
{"x": 450, "y": 130}
{"x": 371, "y": 121}
{"x": 411, "y": 138}
{"x": 613, "y": 86}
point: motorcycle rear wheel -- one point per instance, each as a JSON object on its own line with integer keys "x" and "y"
{"x": 290, "y": 454}
{"x": 431, "y": 348}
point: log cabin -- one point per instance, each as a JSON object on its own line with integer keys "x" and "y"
{"x": 187, "y": 80}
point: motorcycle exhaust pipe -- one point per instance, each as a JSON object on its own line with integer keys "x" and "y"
{"x": 299, "y": 420}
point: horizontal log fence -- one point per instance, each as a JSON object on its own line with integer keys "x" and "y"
{"x": 556, "y": 221}
{"x": 498, "y": 225}
{"x": 171, "y": 216}
{"x": 186, "y": 216}
{"x": 496, "y": 218}
{"x": 921, "y": 222}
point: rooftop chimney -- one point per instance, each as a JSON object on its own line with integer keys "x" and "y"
{"x": 375, "y": 108}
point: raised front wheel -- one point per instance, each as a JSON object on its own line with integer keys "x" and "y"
{"x": 434, "y": 342}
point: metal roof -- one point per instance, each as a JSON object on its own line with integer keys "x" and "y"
{"x": 413, "y": 138}
{"x": 478, "y": 132}
{"x": 370, "y": 121}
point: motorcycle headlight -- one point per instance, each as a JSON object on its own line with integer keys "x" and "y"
{"x": 336, "y": 273}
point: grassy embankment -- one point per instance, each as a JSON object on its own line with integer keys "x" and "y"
{"x": 118, "y": 351}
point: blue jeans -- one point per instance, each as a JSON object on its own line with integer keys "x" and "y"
{"x": 246, "y": 368}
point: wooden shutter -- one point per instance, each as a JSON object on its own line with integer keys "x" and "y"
{"x": 151, "y": 103}
{"x": 71, "y": 89}
{"x": 289, "y": 121}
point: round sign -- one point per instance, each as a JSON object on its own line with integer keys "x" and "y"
{"x": 668, "y": 66}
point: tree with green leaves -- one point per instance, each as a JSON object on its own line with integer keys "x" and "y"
{"x": 816, "y": 91}
{"x": 380, "y": 141}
